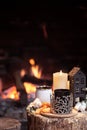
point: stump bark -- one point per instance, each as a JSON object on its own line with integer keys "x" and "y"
{"x": 9, "y": 124}
{"x": 39, "y": 122}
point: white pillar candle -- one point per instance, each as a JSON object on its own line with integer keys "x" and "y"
{"x": 60, "y": 80}
{"x": 68, "y": 84}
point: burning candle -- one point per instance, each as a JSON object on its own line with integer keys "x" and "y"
{"x": 60, "y": 80}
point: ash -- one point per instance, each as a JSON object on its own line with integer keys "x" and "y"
{"x": 11, "y": 108}
{"x": 14, "y": 109}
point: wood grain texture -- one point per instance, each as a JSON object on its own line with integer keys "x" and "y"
{"x": 9, "y": 124}
{"x": 39, "y": 122}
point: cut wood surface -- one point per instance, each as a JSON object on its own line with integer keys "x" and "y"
{"x": 9, "y": 124}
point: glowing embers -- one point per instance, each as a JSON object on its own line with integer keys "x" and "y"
{"x": 11, "y": 93}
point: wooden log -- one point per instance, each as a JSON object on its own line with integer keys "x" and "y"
{"x": 35, "y": 80}
{"x": 9, "y": 124}
{"x": 39, "y": 122}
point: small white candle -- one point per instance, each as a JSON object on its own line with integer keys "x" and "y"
{"x": 60, "y": 80}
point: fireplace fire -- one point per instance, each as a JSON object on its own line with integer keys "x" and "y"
{"x": 13, "y": 93}
{"x": 15, "y": 98}
{"x": 10, "y": 93}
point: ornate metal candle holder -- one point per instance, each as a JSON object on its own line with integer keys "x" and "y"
{"x": 61, "y": 101}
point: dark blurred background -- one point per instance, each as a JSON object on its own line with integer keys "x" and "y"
{"x": 55, "y": 35}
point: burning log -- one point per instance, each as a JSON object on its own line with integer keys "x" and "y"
{"x": 35, "y": 80}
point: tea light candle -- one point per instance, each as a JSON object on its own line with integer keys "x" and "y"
{"x": 60, "y": 80}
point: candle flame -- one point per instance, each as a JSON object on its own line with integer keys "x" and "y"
{"x": 60, "y": 72}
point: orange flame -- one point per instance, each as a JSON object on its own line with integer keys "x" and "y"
{"x": 11, "y": 93}
{"x": 29, "y": 87}
{"x": 22, "y": 72}
{"x": 35, "y": 69}
{"x": 32, "y": 61}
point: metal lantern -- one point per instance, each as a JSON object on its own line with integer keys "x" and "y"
{"x": 77, "y": 84}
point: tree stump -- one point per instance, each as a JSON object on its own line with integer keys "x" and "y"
{"x": 39, "y": 122}
{"x": 9, "y": 124}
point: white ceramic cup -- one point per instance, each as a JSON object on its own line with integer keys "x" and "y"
{"x": 43, "y": 93}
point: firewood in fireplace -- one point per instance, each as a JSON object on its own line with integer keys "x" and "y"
{"x": 23, "y": 97}
{"x": 35, "y": 80}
